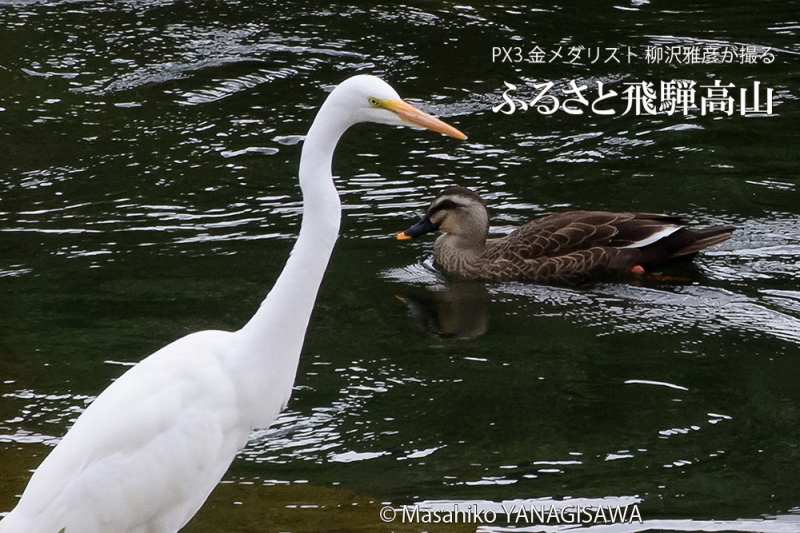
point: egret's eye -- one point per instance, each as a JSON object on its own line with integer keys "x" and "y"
{"x": 374, "y": 102}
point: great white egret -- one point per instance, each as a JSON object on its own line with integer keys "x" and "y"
{"x": 145, "y": 455}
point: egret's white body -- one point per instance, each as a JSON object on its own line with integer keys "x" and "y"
{"x": 145, "y": 455}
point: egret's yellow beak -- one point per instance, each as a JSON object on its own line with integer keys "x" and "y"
{"x": 414, "y": 116}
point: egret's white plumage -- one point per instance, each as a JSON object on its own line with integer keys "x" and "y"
{"x": 145, "y": 455}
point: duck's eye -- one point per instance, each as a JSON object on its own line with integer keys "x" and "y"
{"x": 374, "y": 102}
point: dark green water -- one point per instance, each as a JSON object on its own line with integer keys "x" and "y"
{"x": 127, "y": 219}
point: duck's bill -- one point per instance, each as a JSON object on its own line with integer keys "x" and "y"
{"x": 420, "y": 228}
{"x": 420, "y": 119}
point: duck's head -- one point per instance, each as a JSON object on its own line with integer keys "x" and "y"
{"x": 457, "y": 211}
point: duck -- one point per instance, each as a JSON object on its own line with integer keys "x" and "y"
{"x": 561, "y": 247}
{"x": 148, "y": 451}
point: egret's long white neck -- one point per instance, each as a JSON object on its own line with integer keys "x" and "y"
{"x": 272, "y": 339}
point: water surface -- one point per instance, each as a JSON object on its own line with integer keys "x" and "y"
{"x": 148, "y": 189}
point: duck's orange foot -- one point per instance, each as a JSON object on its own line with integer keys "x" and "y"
{"x": 637, "y": 269}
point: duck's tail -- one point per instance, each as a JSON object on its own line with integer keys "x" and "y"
{"x": 686, "y": 242}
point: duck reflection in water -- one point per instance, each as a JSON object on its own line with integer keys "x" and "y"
{"x": 456, "y": 309}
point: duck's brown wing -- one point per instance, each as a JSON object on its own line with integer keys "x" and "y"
{"x": 571, "y": 267}
{"x": 572, "y": 231}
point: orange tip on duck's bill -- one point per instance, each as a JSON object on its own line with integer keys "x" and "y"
{"x": 414, "y": 116}
{"x": 403, "y": 236}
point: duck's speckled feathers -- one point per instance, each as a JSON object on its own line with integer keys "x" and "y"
{"x": 562, "y": 233}
{"x": 579, "y": 245}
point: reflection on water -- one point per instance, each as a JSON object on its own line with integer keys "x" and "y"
{"x": 149, "y": 190}
{"x": 456, "y": 309}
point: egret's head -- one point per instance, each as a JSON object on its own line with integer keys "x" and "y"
{"x": 456, "y": 211}
{"x": 370, "y": 99}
